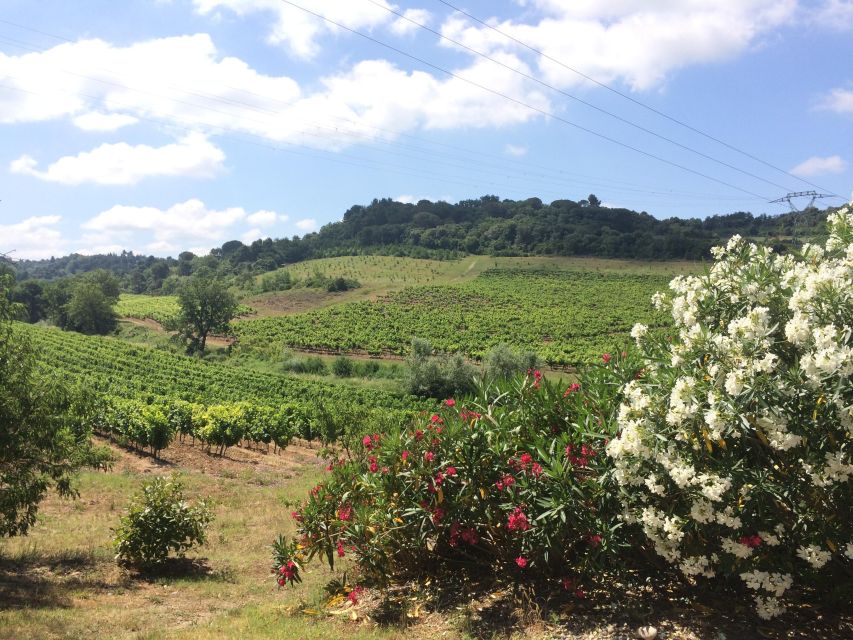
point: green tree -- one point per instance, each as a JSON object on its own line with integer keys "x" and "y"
{"x": 89, "y": 310}
{"x": 206, "y": 307}
{"x": 44, "y": 436}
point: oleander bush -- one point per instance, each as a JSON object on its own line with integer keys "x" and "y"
{"x": 734, "y": 446}
{"x": 513, "y": 483}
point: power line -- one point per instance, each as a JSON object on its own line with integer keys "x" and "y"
{"x": 575, "y": 98}
{"x": 628, "y": 97}
{"x": 520, "y": 102}
{"x": 420, "y": 171}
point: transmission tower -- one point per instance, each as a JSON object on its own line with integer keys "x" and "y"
{"x": 789, "y": 198}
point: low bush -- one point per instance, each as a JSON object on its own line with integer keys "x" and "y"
{"x": 343, "y": 367}
{"x": 160, "y": 521}
{"x": 513, "y": 483}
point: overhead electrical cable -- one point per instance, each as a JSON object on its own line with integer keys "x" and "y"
{"x": 632, "y": 99}
{"x": 521, "y": 103}
{"x": 577, "y": 99}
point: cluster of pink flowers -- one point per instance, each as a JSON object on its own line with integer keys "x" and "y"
{"x": 517, "y": 521}
{"x": 437, "y": 515}
{"x": 581, "y": 460}
{"x": 468, "y": 535}
{"x": 752, "y": 541}
{"x": 466, "y": 414}
{"x": 352, "y": 596}
{"x": 505, "y": 482}
{"x": 525, "y": 464}
{"x": 537, "y": 377}
{"x": 521, "y": 561}
{"x": 606, "y": 357}
{"x": 341, "y": 552}
{"x": 287, "y": 573}
{"x": 345, "y": 513}
{"x": 573, "y": 388}
{"x": 370, "y": 441}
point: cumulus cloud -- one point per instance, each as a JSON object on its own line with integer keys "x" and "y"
{"x": 836, "y": 15}
{"x": 97, "y": 121}
{"x": 184, "y": 81}
{"x": 162, "y": 231}
{"x": 838, "y": 100}
{"x": 638, "y": 43}
{"x": 817, "y": 166}
{"x": 515, "y": 150}
{"x": 297, "y": 30}
{"x": 306, "y": 224}
{"x": 123, "y": 164}
{"x": 34, "y": 238}
{"x": 403, "y": 26}
{"x": 265, "y": 218}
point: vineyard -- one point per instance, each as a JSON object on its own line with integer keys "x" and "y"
{"x": 147, "y": 397}
{"x": 567, "y": 317}
{"x": 162, "y": 309}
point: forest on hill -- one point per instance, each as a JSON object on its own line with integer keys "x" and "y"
{"x": 486, "y": 226}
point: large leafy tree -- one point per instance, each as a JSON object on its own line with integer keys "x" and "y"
{"x": 44, "y": 437}
{"x": 206, "y": 307}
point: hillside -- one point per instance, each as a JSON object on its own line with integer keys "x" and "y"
{"x": 485, "y": 226}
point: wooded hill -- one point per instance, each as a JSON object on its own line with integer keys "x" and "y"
{"x": 486, "y": 225}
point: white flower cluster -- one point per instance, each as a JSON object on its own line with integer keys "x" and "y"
{"x": 752, "y": 399}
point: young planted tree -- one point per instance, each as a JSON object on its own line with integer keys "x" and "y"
{"x": 44, "y": 437}
{"x": 206, "y": 307}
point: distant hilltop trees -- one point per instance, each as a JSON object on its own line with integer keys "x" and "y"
{"x": 487, "y": 225}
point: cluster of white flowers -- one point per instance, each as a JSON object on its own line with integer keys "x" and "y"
{"x": 750, "y": 400}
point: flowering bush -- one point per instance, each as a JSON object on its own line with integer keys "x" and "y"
{"x": 734, "y": 449}
{"x": 512, "y": 483}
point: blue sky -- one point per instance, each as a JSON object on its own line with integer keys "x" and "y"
{"x": 164, "y": 125}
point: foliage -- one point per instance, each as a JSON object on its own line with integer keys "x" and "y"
{"x": 342, "y": 367}
{"x": 734, "y": 452}
{"x": 524, "y": 308}
{"x": 512, "y": 482}
{"x": 502, "y": 362}
{"x": 159, "y": 521}
{"x": 162, "y": 309}
{"x": 206, "y": 307}
{"x": 89, "y": 310}
{"x": 437, "y": 376}
{"x": 43, "y": 437}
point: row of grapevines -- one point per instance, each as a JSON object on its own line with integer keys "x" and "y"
{"x": 162, "y": 309}
{"x": 568, "y": 317}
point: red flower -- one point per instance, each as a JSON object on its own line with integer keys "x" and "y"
{"x": 573, "y": 388}
{"x": 439, "y": 478}
{"x": 526, "y": 459}
{"x": 521, "y": 561}
{"x": 594, "y": 540}
{"x": 517, "y": 521}
{"x": 345, "y": 513}
{"x": 536, "y": 469}
{"x": 580, "y": 593}
{"x": 450, "y": 402}
{"x": 367, "y": 442}
{"x": 751, "y": 541}
{"x": 437, "y": 515}
{"x": 470, "y": 536}
{"x": 352, "y": 596}
{"x": 567, "y": 583}
{"x": 451, "y": 471}
{"x": 606, "y": 357}
{"x": 296, "y": 516}
{"x": 405, "y": 455}
{"x": 419, "y": 435}
{"x": 341, "y": 552}
{"x": 436, "y": 419}
{"x": 429, "y": 456}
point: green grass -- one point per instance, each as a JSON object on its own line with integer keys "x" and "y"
{"x": 162, "y": 309}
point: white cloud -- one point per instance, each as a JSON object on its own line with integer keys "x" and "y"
{"x": 164, "y": 231}
{"x": 97, "y": 121}
{"x": 515, "y": 150}
{"x": 817, "y": 166}
{"x": 838, "y": 100}
{"x": 34, "y": 238}
{"x": 402, "y": 26}
{"x": 836, "y": 15}
{"x": 265, "y": 218}
{"x": 298, "y": 30}
{"x": 123, "y": 164}
{"x": 184, "y": 81}
{"x": 639, "y": 43}
{"x": 251, "y": 235}
{"x": 306, "y": 224}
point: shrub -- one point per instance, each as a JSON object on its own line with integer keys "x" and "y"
{"x": 342, "y": 367}
{"x": 511, "y": 483}
{"x": 158, "y": 522}
{"x": 734, "y": 451}
{"x": 437, "y": 376}
{"x": 501, "y": 362}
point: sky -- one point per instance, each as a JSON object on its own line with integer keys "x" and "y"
{"x": 160, "y": 126}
